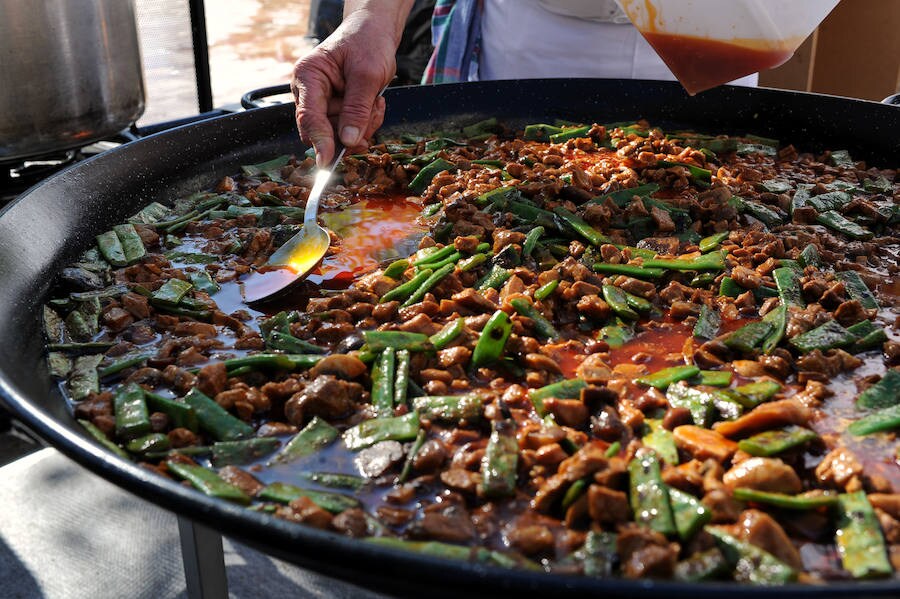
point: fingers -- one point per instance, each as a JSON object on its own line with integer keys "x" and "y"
{"x": 377, "y": 117}
{"x": 359, "y": 104}
{"x": 313, "y": 90}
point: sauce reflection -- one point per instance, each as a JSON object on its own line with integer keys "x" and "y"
{"x": 371, "y": 231}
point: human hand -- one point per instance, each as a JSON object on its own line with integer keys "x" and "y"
{"x": 337, "y": 85}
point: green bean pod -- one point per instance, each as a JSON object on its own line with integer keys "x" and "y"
{"x": 543, "y": 327}
{"x": 492, "y": 341}
{"x": 428, "y": 284}
{"x": 208, "y": 482}
{"x": 403, "y": 291}
{"x": 401, "y": 377}
{"x": 498, "y": 467}
{"x": 383, "y": 382}
{"x": 448, "y": 334}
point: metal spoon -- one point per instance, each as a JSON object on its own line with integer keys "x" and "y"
{"x": 302, "y": 252}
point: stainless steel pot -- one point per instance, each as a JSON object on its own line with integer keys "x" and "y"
{"x": 70, "y": 73}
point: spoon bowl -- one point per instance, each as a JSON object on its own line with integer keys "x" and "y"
{"x": 300, "y": 254}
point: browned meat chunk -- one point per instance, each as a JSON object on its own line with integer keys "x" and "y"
{"x": 137, "y": 305}
{"x": 117, "y": 319}
{"x": 830, "y": 363}
{"x": 764, "y": 474}
{"x": 703, "y": 443}
{"x": 503, "y": 238}
{"x": 430, "y": 456}
{"x": 663, "y": 219}
{"x": 351, "y": 522}
{"x": 608, "y": 505}
{"x": 530, "y": 539}
{"x": 241, "y": 479}
{"x": 724, "y": 507}
{"x": 340, "y": 365}
{"x": 758, "y": 528}
{"x": 665, "y": 246}
{"x": 460, "y": 479}
{"x": 453, "y": 356}
{"x": 182, "y": 437}
{"x": 766, "y": 416}
{"x": 466, "y": 245}
{"x": 325, "y": 396}
{"x": 594, "y": 307}
{"x": 840, "y": 469}
{"x": 594, "y": 369}
{"x": 568, "y": 412}
{"x": 746, "y": 277}
{"x": 451, "y": 524}
{"x": 474, "y": 301}
{"x": 889, "y": 502}
{"x": 199, "y": 329}
{"x": 589, "y": 459}
{"x": 645, "y": 553}
{"x": 305, "y": 511}
{"x": 212, "y": 378}
{"x": 851, "y": 312}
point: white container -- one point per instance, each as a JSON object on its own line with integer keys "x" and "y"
{"x": 709, "y": 42}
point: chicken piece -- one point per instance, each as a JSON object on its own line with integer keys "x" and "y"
{"x": 341, "y": 365}
{"x": 764, "y": 474}
{"x": 888, "y": 502}
{"x": 840, "y": 469}
{"x": 589, "y": 459}
{"x": 724, "y": 507}
{"x": 760, "y": 529}
{"x": 325, "y": 396}
{"x": 568, "y": 412}
{"x": 608, "y": 505}
{"x": 773, "y": 414}
{"x": 212, "y": 379}
{"x": 241, "y": 479}
{"x": 305, "y": 511}
{"x": 703, "y": 443}
{"x": 594, "y": 369}
{"x": 351, "y": 522}
{"x": 645, "y": 553}
{"x": 530, "y": 539}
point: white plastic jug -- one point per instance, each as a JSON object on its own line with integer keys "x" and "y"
{"x": 709, "y": 42}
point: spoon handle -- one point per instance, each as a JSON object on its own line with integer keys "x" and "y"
{"x": 315, "y": 194}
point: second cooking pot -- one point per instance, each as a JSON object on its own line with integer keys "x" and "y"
{"x": 70, "y": 71}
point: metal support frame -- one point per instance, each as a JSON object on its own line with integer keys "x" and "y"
{"x": 204, "y": 561}
{"x": 201, "y": 55}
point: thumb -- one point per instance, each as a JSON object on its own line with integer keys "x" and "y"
{"x": 356, "y": 112}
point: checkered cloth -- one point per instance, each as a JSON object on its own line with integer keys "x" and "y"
{"x": 456, "y": 35}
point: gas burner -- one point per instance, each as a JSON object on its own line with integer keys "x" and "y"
{"x": 16, "y": 177}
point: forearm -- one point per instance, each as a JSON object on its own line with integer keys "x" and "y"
{"x": 390, "y": 15}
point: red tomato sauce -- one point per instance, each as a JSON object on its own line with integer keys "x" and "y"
{"x": 702, "y": 63}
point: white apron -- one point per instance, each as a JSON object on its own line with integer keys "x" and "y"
{"x": 532, "y": 39}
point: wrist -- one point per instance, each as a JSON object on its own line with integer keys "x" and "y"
{"x": 387, "y": 15}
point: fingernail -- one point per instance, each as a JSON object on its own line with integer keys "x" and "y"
{"x": 350, "y": 135}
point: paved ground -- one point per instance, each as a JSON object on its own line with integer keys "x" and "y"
{"x": 68, "y": 534}
{"x": 252, "y": 44}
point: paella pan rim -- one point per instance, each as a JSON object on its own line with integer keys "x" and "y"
{"x": 49, "y": 225}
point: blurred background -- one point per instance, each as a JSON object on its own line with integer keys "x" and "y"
{"x": 205, "y": 54}
{"x": 253, "y": 43}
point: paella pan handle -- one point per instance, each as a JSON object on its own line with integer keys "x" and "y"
{"x": 254, "y": 98}
{"x": 892, "y": 100}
